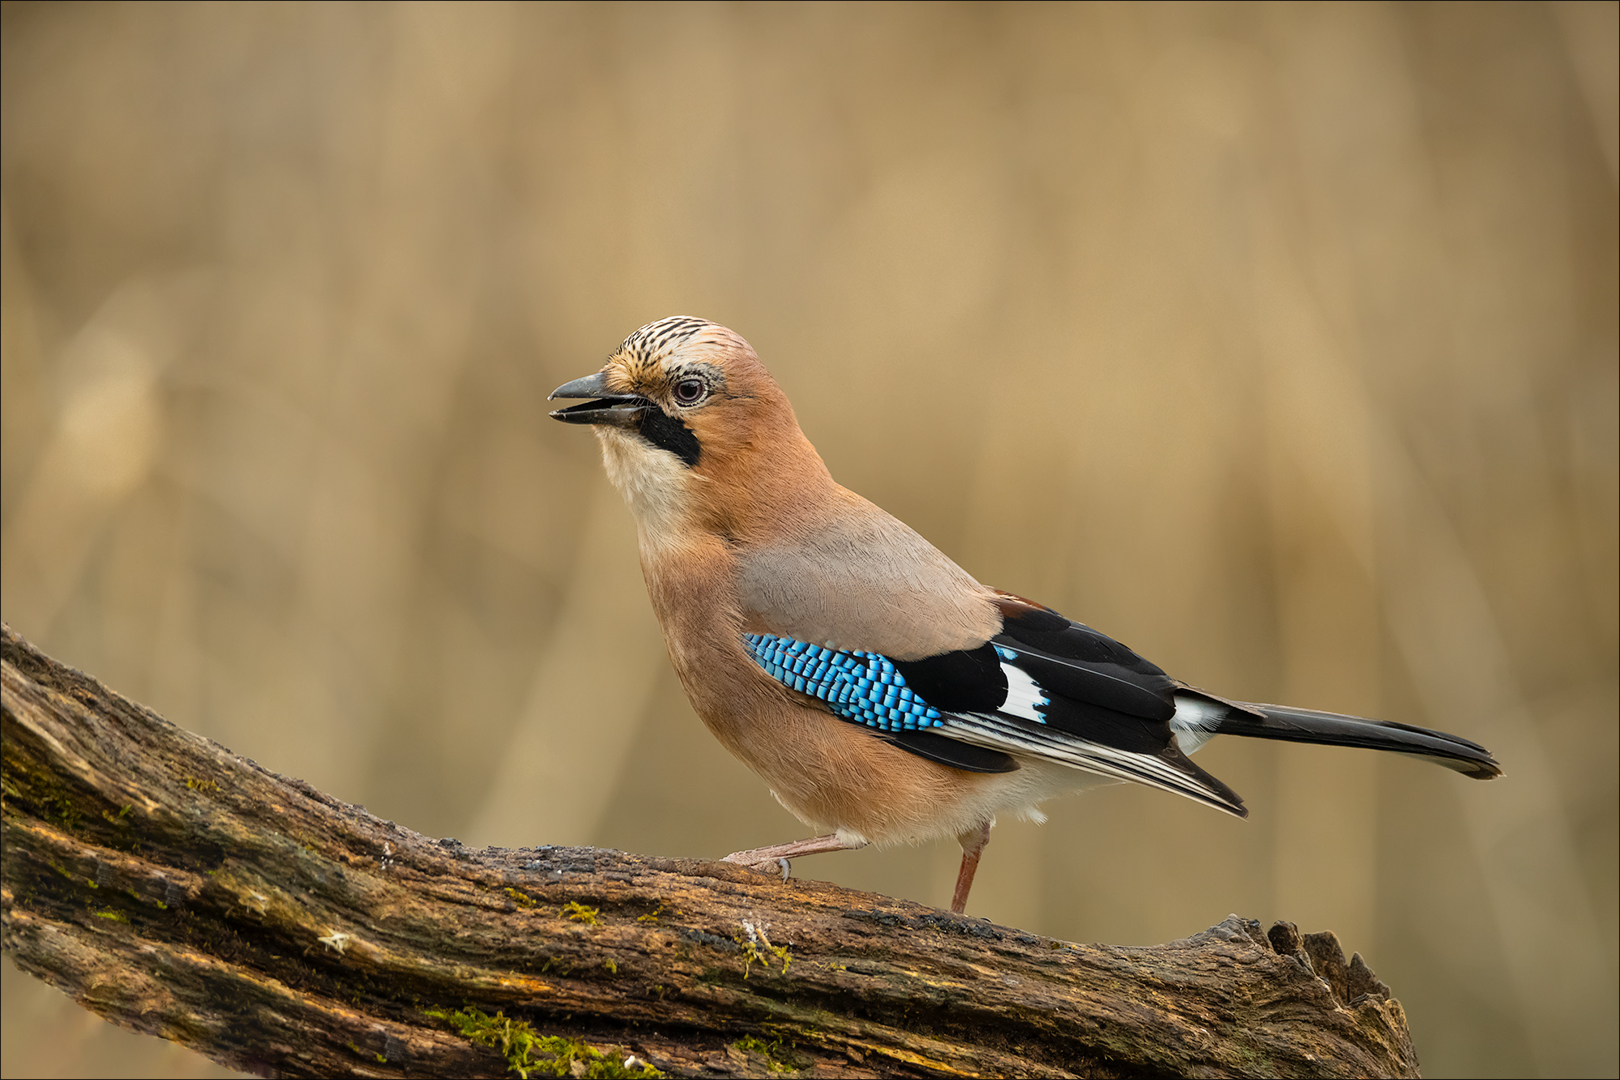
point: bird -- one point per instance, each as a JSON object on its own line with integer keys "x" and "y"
{"x": 881, "y": 692}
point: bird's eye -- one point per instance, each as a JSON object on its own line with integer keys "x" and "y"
{"x": 689, "y": 391}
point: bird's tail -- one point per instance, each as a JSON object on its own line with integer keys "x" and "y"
{"x": 1200, "y": 715}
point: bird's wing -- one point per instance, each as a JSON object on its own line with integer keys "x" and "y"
{"x": 1043, "y": 687}
{"x": 860, "y": 579}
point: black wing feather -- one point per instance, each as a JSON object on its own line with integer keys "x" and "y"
{"x": 1092, "y": 683}
{"x": 958, "y": 755}
{"x": 967, "y": 680}
{"x": 1078, "y": 662}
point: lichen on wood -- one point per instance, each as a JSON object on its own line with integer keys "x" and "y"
{"x": 178, "y": 889}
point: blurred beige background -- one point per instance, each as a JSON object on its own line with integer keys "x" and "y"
{"x": 1277, "y": 341}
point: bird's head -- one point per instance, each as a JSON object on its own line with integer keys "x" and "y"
{"x": 694, "y": 430}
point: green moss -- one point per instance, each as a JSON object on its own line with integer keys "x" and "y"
{"x": 522, "y": 900}
{"x": 753, "y": 952}
{"x": 516, "y": 1041}
{"x": 201, "y": 785}
{"x": 579, "y": 912}
{"x": 611, "y": 965}
{"x": 57, "y": 807}
{"x": 778, "y": 1058}
{"x": 651, "y": 916}
{"x": 115, "y": 916}
{"x": 381, "y": 1059}
{"x": 28, "y": 783}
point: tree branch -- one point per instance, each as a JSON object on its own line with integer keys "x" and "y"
{"x": 183, "y": 891}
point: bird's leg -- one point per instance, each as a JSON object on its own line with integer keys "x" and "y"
{"x": 774, "y": 859}
{"x": 972, "y": 846}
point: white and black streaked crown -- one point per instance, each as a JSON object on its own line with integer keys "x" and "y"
{"x": 656, "y": 340}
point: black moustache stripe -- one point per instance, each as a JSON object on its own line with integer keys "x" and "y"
{"x": 670, "y": 433}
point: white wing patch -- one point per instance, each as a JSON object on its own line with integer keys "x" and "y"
{"x": 1025, "y": 697}
{"x": 1195, "y": 722}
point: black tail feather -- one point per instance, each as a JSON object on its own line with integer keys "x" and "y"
{"x": 1332, "y": 729}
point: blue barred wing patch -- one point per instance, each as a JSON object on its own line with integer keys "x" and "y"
{"x": 860, "y": 686}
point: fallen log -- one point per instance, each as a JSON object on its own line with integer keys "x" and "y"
{"x": 180, "y": 890}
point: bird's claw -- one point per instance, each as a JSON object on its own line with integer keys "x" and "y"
{"x": 765, "y": 864}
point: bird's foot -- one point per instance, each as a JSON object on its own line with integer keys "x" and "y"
{"x": 774, "y": 859}
{"x": 762, "y": 861}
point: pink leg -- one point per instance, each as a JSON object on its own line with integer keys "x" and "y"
{"x": 972, "y": 846}
{"x": 774, "y": 859}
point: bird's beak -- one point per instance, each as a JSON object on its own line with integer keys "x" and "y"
{"x": 618, "y": 410}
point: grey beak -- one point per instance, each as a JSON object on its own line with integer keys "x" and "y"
{"x": 589, "y": 386}
{"x": 618, "y": 410}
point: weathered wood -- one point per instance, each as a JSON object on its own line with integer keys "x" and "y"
{"x": 178, "y": 889}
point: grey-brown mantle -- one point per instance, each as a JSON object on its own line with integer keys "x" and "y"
{"x": 180, "y": 890}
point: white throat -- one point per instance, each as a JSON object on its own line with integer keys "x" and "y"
{"x": 656, "y": 485}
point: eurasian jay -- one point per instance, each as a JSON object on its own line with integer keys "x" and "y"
{"x": 882, "y": 692}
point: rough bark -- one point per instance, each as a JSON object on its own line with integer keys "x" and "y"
{"x": 180, "y": 890}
